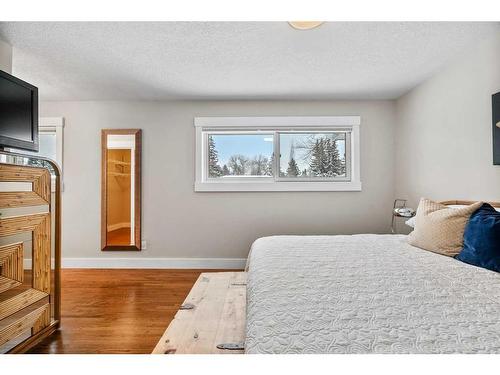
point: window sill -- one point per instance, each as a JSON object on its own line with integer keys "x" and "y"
{"x": 276, "y": 186}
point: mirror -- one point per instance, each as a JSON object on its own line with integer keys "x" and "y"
{"x": 121, "y": 189}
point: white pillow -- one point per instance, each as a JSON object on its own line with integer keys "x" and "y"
{"x": 411, "y": 221}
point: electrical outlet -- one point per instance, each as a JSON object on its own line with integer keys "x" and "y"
{"x": 144, "y": 245}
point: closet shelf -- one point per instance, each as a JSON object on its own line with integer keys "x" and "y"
{"x": 119, "y": 174}
{"x": 118, "y": 162}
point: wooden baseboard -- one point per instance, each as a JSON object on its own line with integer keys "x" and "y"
{"x": 151, "y": 263}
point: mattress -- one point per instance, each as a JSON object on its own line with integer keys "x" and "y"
{"x": 367, "y": 294}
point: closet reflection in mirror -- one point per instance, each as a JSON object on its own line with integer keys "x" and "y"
{"x": 120, "y": 191}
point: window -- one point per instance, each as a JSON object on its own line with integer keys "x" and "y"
{"x": 50, "y": 140}
{"x": 240, "y": 155}
{"x": 314, "y": 155}
{"x": 50, "y": 143}
{"x": 277, "y": 153}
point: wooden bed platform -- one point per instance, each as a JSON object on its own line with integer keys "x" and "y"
{"x": 212, "y": 318}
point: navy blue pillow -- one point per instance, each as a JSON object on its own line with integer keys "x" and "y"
{"x": 482, "y": 239}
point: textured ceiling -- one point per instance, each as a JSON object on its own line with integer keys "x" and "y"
{"x": 233, "y": 60}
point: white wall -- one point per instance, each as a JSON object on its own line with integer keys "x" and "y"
{"x": 5, "y": 57}
{"x": 179, "y": 223}
{"x": 443, "y": 151}
{"x": 444, "y": 131}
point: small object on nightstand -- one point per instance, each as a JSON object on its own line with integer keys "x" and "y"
{"x": 399, "y": 209}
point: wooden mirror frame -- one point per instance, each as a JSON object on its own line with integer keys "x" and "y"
{"x": 137, "y": 189}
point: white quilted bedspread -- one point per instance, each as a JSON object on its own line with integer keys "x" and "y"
{"x": 367, "y": 294}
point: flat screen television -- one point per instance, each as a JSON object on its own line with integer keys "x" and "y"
{"x": 18, "y": 113}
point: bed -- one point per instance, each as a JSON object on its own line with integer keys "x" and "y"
{"x": 366, "y": 294}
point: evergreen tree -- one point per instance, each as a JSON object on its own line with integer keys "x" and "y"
{"x": 214, "y": 169}
{"x": 314, "y": 164}
{"x": 334, "y": 162}
{"x": 269, "y": 167}
{"x": 319, "y": 161}
{"x": 225, "y": 170}
{"x": 293, "y": 168}
{"x": 326, "y": 160}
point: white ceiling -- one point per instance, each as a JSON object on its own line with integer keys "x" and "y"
{"x": 233, "y": 60}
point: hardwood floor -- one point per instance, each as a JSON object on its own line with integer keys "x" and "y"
{"x": 117, "y": 311}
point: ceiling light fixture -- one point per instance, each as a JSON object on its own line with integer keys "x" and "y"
{"x": 305, "y": 25}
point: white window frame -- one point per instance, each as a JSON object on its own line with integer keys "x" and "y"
{"x": 52, "y": 125}
{"x": 276, "y": 125}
